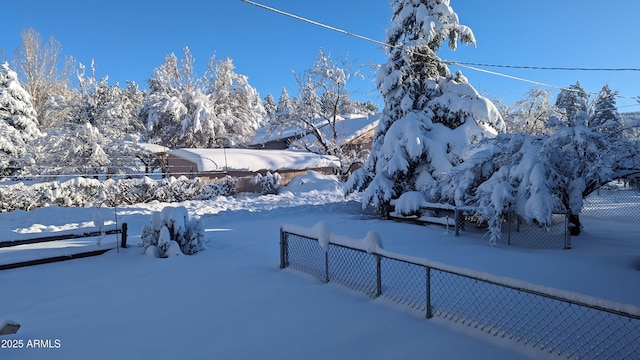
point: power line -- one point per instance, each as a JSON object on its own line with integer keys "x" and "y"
{"x": 316, "y": 23}
{"x": 468, "y": 65}
{"x": 541, "y": 67}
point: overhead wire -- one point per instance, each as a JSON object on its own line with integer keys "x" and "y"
{"x": 468, "y": 65}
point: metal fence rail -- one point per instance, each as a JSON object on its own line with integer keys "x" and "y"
{"x": 572, "y": 326}
{"x": 516, "y": 232}
{"x": 614, "y": 202}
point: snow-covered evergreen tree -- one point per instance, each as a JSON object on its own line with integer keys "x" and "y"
{"x": 574, "y": 101}
{"x": 605, "y": 117}
{"x": 183, "y": 109}
{"x": 285, "y": 106}
{"x": 430, "y": 115}
{"x": 18, "y": 122}
{"x": 270, "y": 106}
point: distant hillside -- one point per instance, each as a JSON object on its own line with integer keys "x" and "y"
{"x": 631, "y": 121}
{"x": 631, "y": 117}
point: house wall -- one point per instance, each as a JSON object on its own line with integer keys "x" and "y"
{"x": 363, "y": 142}
{"x": 182, "y": 167}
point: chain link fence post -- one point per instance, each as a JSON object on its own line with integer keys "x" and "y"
{"x": 378, "y": 275}
{"x": 567, "y": 235}
{"x": 283, "y": 249}
{"x": 326, "y": 266}
{"x": 509, "y": 225}
{"x": 429, "y": 310}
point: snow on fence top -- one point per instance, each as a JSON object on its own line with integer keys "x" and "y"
{"x": 373, "y": 244}
{"x": 254, "y": 160}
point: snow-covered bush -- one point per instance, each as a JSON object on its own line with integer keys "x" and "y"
{"x": 83, "y": 192}
{"x": 173, "y": 232}
{"x": 269, "y": 183}
{"x": 227, "y": 187}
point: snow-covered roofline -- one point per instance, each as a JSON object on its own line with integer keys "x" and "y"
{"x": 254, "y": 160}
{"x": 350, "y": 127}
{"x": 154, "y": 147}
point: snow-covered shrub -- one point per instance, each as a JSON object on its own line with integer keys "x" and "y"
{"x": 173, "y": 224}
{"x": 212, "y": 190}
{"x": 269, "y": 183}
{"x": 177, "y": 190}
{"x": 228, "y": 186}
{"x": 83, "y": 192}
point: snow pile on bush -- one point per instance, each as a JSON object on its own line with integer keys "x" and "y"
{"x": 173, "y": 232}
{"x": 313, "y": 181}
{"x": 269, "y": 183}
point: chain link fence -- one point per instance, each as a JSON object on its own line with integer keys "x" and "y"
{"x": 516, "y": 232}
{"x": 555, "y": 321}
{"x": 616, "y": 202}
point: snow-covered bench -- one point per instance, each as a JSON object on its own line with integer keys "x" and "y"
{"x": 423, "y": 212}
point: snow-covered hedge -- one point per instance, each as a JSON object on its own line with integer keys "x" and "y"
{"x": 83, "y": 192}
{"x": 173, "y": 232}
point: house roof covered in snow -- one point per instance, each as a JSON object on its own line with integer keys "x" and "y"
{"x": 208, "y": 160}
{"x": 348, "y": 128}
{"x": 154, "y": 148}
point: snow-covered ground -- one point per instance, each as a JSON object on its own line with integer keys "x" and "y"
{"x": 232, "y": 301}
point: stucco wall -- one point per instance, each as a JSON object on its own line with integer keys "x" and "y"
{"x": 182, "y": 167}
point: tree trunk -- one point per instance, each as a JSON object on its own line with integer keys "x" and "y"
{"x": 574, "y": 224}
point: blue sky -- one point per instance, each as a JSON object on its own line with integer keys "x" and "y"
{"x": 128, "y": 39}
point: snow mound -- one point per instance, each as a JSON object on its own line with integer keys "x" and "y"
{"x": 322, "y": 232}
{"x": 372, "y": 242}
{"x": 313, "y": 181}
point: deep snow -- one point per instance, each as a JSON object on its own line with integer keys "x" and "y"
{"x": 232, "y": 301}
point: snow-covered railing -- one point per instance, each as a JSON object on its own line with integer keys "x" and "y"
{"x": 553, "y": 320}
{"x": 554, "y": 235}
{"x": 67, "y": 245}
{"x": 431, "y": 213}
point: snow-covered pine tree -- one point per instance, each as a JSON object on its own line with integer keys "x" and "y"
{"x": 574, "y": 101}
{"x": 284, "y": 107}
{"x": 430, "y": 115}
{"x": 270, "y": 106}
{"x": 605, "y": 117}
{"x": 18, "y": 122}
